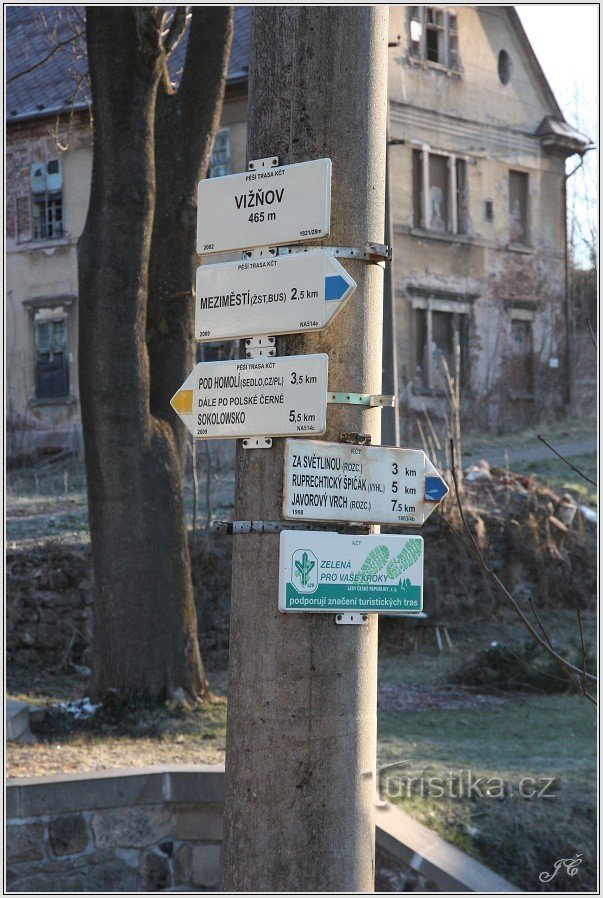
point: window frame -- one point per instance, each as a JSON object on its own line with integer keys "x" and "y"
{"x": 460, "y": 311}
{"x": 526, "y": 240}
{"x": 214, "y": 164}
{"x": 418, "y": 50}
{"x": 61, "y": 364}
{"x": 49, "y": 201}
{"x": 457, "y": 223}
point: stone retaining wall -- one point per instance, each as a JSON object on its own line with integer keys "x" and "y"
{"x": 50, "y": 603}
{"x": 154, "y": 829}
{"x": 147, "y": 830}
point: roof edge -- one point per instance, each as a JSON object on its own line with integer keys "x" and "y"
{"x": 525, "y": 41}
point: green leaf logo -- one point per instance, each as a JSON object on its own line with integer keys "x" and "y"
{"x": 304, "y": 568}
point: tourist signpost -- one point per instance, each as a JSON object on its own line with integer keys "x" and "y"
{"x": 371, "y": 484}
{"x": 336, "y": 573}
{"x": 270, "y": 295}
{"x": 262, "y": 397}
{"x": 270, "y": 206}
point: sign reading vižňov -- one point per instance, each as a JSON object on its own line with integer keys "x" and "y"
{"x": 340, "y": 573}
{"x": 271, "y": 295}
{"x": 261, "y": 397}
{"x": 267, "y": 207}
{"x": 371, "y": 484}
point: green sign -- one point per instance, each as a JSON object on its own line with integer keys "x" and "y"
{"x": 332, "y": 572}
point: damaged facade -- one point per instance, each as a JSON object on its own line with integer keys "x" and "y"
{"x": 477, "y": 156}
{"x": 477, "y": 159}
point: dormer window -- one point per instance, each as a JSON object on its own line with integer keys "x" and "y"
{"x": 434, "y": 36}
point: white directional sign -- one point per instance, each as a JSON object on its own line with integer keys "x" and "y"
{"x": 275, "y": 295}
{"x": 372, "y": 484}
{"x": 272, "y": 397}
{"x": 332, "y": 572}
{"x": 267, "y": 207}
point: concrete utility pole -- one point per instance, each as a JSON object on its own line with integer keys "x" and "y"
{"x": 301, "y": 738}
{"x": 390, "y": 422}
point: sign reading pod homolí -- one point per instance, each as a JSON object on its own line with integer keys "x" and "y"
{"x": 267, "y": 207}
{"x": 263, "y": 397}
{"x": 332, "y": 572}
{"x": 272, "y": 295}
{"x": 372, "y": 484}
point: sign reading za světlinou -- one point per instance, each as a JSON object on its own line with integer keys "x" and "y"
{"x": 267, "y": 207}
{"x": 373, "y": 484}
{"x": 339, "y": 573}
{"x": 261, "y": 397}
{"x": 271, "y": 295}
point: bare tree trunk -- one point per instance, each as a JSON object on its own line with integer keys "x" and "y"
{"x": 185, "y": 126}
{"x": 145, "y": 624}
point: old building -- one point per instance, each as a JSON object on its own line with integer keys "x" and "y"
{"x": 48, "y": 170}
{"x": 477, "y": 153}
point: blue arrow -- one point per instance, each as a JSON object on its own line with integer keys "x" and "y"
{"x": 435, "y": 489}
{"x": 335, "y": 286}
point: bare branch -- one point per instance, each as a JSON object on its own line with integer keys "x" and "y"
{"x": 579, "y": 613}
{"x": 593, "y": 338}
{"x": 49, "y": 55}
{"x": 567, "y": 462}
{"x": 565, "y": 665}
{"x": 176, "y": 29}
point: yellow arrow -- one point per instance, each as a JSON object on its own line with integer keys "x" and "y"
{"x": 182, "y": 401}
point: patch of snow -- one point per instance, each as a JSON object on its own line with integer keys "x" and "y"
{"x": 478, "y": 472}
{"x": 80, "y": 709}
{"x": 589, "y": 513}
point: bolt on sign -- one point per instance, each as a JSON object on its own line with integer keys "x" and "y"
{"x": 272, "y": 397}
{"x": 267, "y": 207}
{"x": 271, "y": 295}
{"x": 337, "y": 573}
{"x": 372, "y": 484}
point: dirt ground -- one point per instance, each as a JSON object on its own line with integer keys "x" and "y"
{"x": 428, "y": 720}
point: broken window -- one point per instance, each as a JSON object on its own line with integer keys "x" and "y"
{"x": 440, "y": 326}
{"x": 434, "y": 35}
{"x": 52, "y": 368}
{"x": 521, "y": 353}
{"x": 220, "y": 158}
{"x": 518, "y": 207}
{"x": 443, "y": 207}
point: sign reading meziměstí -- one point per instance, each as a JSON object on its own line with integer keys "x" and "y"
{"x": 273, "y": 295}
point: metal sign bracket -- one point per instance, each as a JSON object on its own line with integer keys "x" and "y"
{"x": 259, "y": 252}
{"x": 257, "y": 443}
{"x": 369, "y": 400}
{"x": 259, "y": 347}
{"x": 267, "y": 162}
{"x": 351, "y": 618}
{"x": 370, "y": 252}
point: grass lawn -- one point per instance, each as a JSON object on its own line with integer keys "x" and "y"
{"x": 560, "y": 477}
{"x": 564, "y": 430}
{"x": 502, "y": 738}
{"x": 427, "y": 759}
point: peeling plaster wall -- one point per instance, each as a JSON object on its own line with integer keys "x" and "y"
{"x": 472, "y": 115}
{"x": 48, "y": 268}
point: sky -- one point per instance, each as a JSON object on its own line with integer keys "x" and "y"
{"x": 566, "y": 41}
